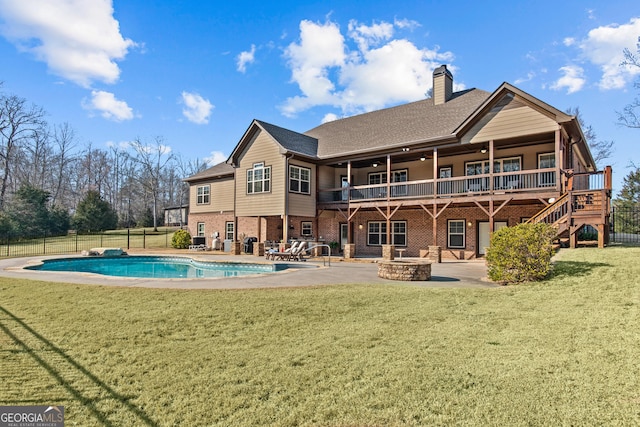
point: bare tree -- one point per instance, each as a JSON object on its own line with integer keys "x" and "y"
{"x": 18, "y": 123}
{"x": 65, "y": 141}
{"x": 184, "y": 169}
{"x": 152, "y": 160}
{"x": 630, "y": 116}
{"x": 600, "y": 150}
{"x": 35, "y": 160}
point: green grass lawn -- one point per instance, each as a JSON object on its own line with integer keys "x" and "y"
{"x": 561, "y": 352}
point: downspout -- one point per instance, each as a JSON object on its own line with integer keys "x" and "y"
{"x": 235, "y": 198}
{"x": 285, "y": 217}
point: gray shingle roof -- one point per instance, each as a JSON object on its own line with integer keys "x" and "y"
{"x": 290, "y": 140}
{"x": 221, "y": 169}
{"x": 413, "y": 122}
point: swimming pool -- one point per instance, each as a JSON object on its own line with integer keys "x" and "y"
{"x": 156, "y": 267}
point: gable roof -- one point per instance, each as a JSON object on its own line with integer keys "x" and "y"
{"x": 507, "y": 88}
{"x": 571, "y": 125}
{"x": 216, "y": 171}
{"x": 288, "y": 140}
{"x": 291, "y": 141}
{"x": 419, "y": 121}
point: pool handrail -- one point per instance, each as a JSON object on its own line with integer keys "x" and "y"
{"x": 321, "y": 246}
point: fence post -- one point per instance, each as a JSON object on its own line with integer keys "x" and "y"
{"x": 76, "y": 240}
{"x": 128, "y": 238}
{"x": 144, "y": 238}
{"x": 44, "y": 244}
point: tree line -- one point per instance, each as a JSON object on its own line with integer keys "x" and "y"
{"x": 629, "y": 197}
{"x": 51, "y": 182}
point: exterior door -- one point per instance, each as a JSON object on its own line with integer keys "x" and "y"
{"x": 484, "y": 236}
{"x": 344, "y": 184}
{"x": 344, "y": 235}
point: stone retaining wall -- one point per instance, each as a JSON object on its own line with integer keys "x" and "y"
{"x": 404, "y": 270}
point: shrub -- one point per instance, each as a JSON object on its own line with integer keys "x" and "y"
{"x": 521, "y": 253}
{"x": 181, "y": 239}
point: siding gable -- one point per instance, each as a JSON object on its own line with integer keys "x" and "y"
{"x": 509, "y": 118}
{"x": 261, "y": 149}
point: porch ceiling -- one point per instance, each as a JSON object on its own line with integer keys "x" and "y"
{"x": 411, "y": 154}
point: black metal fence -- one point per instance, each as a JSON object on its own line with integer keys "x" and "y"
{"x": 16, "y": 246}
{"x": 625, "y": 225}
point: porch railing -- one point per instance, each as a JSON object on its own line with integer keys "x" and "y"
{"x": 518, "y": 181}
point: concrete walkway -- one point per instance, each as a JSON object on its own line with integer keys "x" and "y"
{"x": 448, "y": 274}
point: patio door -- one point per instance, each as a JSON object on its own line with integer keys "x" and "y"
{"x": 344, "y": 235}
{"x": 484, "y": 236}
{"x": 344, "y": 183}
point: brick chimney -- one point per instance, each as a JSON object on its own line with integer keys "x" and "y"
{"x": 442, "y": 85}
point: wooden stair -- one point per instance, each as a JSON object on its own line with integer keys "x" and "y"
{"x": 577, "y": 208}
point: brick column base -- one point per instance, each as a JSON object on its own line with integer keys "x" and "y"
{"x": 435, "y": 254}
{"x": 235, "y": 248}
{"x": 350, "y": 250}
{"x": 387, "y": 252}
{"x": 258, "y": 249}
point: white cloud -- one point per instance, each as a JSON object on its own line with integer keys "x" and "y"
{"x": 604, "y": 48}
{"x": 367, "y": 71}
{"x": 215, "y": 158}
{"x": 196, "y": 108}
{"x": 573, "y": 79}
{"x": 329, "y": 117}
{"x": 406, "y": 23}
{"x": 530, "y": 76}
{"x": 109, "y": 107}
{"x": 78, "y": 39}
{"x": 569, "y": 41}
{"x": 122, "y": 145}
{"x": 366, "y": 35}
{"x": 245, "y": 58}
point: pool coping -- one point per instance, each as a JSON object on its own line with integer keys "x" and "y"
{"x": 448, "y": 274}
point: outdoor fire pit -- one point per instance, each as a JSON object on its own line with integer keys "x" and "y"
{"x": 404, "y": 270}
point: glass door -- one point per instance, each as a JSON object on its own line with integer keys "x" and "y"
{"x": 344, "y": 235}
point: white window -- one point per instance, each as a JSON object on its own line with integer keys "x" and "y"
{"x": 381, "y": 177}
{"x": 445, "y": 172}
{"x": 200, "y": 229}
{"x": 259, "y": 179}
{"x": 229, "y": 230}
{"x": 307, "y": 229}
{"x": 511, "y": 181}
{"x": 547, "y": 161}
{"x": 203, "y": 194}
{"x": 299, "y": 179}
{"x": 477, "y": 168}
{"x": 377, "y": 233}
{"x": 510, "y": 164}
{"x": 455, "y": 233}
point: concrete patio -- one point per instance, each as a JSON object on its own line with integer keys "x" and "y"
{"x": 313, "y": 272}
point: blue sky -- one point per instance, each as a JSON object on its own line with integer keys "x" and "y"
{"x": 197, "y": 72}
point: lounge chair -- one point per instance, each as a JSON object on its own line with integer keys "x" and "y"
{"x": 286, "y": 254}
{"x": 298, "y": 253}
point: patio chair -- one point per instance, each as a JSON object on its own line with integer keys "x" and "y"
{"x": 286, "y": 254}
{"x": 298, "y": 253}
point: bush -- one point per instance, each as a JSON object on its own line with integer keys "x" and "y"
{"x": 94, "y": 214}
{"x": 181, "y": 239}
{"x": 521, "y": 253}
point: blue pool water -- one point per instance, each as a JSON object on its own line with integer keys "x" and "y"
{"x": 157, "y": 267}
